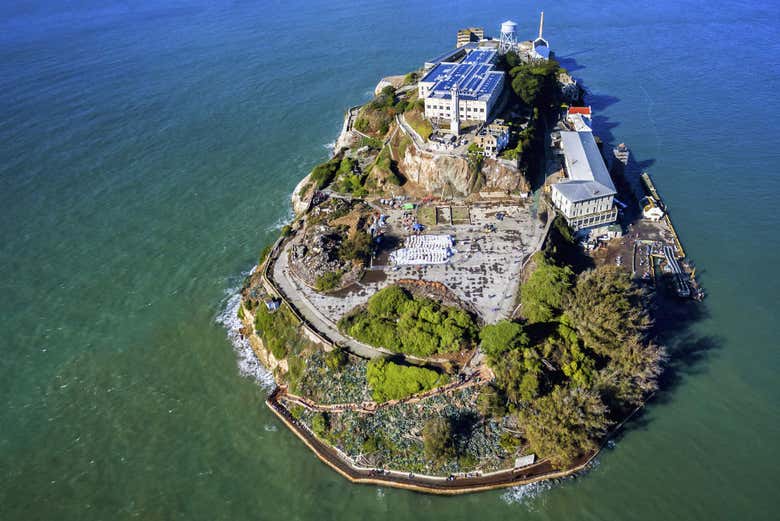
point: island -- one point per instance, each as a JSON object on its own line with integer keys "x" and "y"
{"x": 468, "y": 296}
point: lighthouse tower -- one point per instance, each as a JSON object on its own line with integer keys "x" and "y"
{"x": 455, "y": 114}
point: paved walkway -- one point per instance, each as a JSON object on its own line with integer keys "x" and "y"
{"x": 293, "y": 293}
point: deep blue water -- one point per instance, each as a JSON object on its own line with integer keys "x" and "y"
{"x": 147, "y": 152}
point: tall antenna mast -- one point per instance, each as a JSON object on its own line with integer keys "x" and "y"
{"x": 541, "y": 25}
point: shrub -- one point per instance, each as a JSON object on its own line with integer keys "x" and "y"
{"x": 336, "y": 359}
{"x": 438, "y": 439}
{"x": 324, "y": 173}
{"x": 391, "y": 381}
{"x": 278, "y": 330}
{"x": 502, "y": 337}
{"x": 371, "y": 142}
{"x": 359, "y": 247}
{"x": 395, "y": 320}
{"x": 320, "y": 424}
{"x": 328, "y": 281}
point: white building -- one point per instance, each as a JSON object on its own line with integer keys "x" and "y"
{"x": 585, "y": 198}
{"x": 478, "y": 88}
{"x": 579, "y": 119}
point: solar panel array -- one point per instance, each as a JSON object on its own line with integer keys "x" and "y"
{"x": 479, "y": 56}
{"x": 438, "y": 73}
{"x": 474, "y": 76}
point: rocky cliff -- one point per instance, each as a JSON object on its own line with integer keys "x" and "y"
{"x": 437, "y": 172}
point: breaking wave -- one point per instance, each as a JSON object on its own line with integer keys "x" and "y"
{"x": 281, "y": 221}
{"x": 528, "y": 495}
{"x": 248, "y": 364}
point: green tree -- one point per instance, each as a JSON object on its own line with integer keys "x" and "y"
{"x": 336, "y": 359}
{"x": 517, "y": 374}
{"x": 564, "y": 425}
{"x": 606, "y": 309}
{"x": 388, "y": 301}
{"x": 632, "y": 372}
{"x": 491, "y": 402}
{"x": 438, "y": 439}
{"x": 320, "y": 424}
{"x": 501, "y": 337}
{"x": 543, "y": 295}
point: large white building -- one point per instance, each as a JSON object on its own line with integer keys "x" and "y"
{"x": 477, "y": 83}
{"x": 586, "y": 197}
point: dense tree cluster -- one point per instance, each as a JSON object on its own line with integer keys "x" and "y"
{"x": 581, "y": 360}
{"x": 397, "y": 321}
{"x": 391, "y": 381}
{"x": 544, "y": 293}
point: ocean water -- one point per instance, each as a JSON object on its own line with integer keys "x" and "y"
{"x": 147, "y": 152}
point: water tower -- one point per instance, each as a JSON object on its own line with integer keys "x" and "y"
{"x": 508, "y": 39}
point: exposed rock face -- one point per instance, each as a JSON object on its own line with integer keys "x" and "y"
{"x": 501, "y": 177}
{"x": 435, "y": 172}
{"x": 301, "y": 204}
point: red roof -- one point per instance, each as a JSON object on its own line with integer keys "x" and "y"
{"x": 580, "y": 110}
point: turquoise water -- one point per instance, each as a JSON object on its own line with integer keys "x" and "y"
{"x": 147, "y": 154}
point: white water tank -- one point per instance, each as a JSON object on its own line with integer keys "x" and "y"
{"x": 508, "y": 39}
{"x": 508, "y": 27}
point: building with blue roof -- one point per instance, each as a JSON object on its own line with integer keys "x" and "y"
{"x": 477, "y": 84}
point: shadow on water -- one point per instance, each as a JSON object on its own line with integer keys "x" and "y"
{"x": 568, "y": 61}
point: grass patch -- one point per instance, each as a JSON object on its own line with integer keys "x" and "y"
{"x": 420, "y": 125}
{"x": 426, "y": 215}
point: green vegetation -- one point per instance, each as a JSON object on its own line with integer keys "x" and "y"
{"x": 336, "y": 359}
{"x": 264, "y": 254}
{"x": 416, "y": 120}
{"x": 411, "y": 77}
{"x": 438, "y": 438}
{"x": 350, "y": 178}
{"x": 564, "y": 424}
{"x": 580, "y": 362}
{"x": 320, "y": 424}
{"x": 371, "y": 142}
{"x": 397, "y": 321}
{"x": 391, "y": 381}
{"x": 324, "y": 173}
{"x": 535, "y": 86}
{"x": 358, "y": 247}
{"x": 279, "y": 331}
{"x": 543, "y": 294}
{"x": 328, "y": 281}
{"x": 385, "y": 166}
{"x": 376, "y": 116}
{"x": 606, "y": 310}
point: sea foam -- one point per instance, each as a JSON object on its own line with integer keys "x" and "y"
{"x": 248, "y": 364}
{"x": 528, "y": 495}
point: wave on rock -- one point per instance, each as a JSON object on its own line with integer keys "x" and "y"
{"x": 248, "y": 364}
